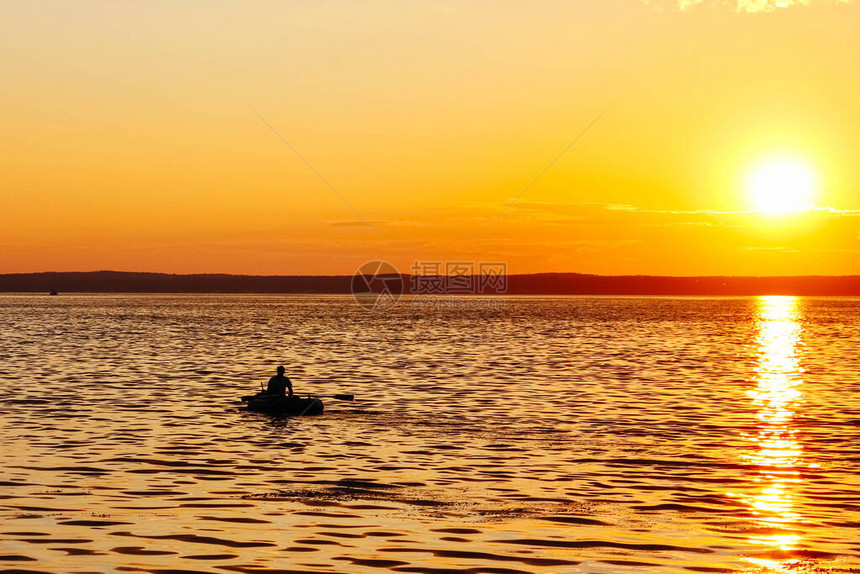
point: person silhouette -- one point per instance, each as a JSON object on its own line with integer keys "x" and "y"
{"x": 280, "y": 384}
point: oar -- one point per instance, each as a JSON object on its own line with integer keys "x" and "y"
{"x": 247, "y": 398}
{"x": 338, "y": 397}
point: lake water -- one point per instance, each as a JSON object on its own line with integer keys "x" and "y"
{"x": 550, "y": 435}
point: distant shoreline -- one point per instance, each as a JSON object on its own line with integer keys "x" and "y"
{"x": 526, "y": 284}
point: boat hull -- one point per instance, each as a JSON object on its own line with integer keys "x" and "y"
{"x": 292, "y": 406}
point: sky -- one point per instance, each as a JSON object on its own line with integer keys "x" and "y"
{"x": 308, "y": 137}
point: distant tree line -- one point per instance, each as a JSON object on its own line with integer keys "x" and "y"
{"x": 535, "y": 284}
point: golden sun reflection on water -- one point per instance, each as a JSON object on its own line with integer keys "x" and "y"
{"x": 775, "y": 448}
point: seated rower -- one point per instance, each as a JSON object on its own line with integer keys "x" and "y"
{"x": 280, "y": 384}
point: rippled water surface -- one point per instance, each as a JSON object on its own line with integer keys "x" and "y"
{"x": 551, "y": 435}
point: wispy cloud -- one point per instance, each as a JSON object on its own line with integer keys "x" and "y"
{"x": 741, "y": 5}
{"x": 384, "y": 223}
{"x": 374, "y": 223}
{"x": 834, "y": 211}
{"x": 519, "y": 248}
{"x": 629, "y": 208}
{"x": 799, "y": 250}
{"x": 617, "y": 207}
{"x": 587, "y": 213}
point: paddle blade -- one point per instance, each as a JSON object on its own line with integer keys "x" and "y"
{"x": 344, "y": 397}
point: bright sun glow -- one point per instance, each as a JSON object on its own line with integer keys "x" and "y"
{"x": 782, "y": 186}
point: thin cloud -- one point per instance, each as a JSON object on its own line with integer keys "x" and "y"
{"x": 834, "y": 211}
{"x": 626, "y": 207}
{"x": 356, "y": 223}
{"x": 620, "y": 207}
{"x": 385, "y": 223}
{"x": 751, "y": 6}
{"x": 799, "y": 250}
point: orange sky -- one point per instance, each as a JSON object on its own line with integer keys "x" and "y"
{"x": 129, "y": 138}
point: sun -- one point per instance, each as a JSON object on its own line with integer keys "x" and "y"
{"x": 782, "y": 186}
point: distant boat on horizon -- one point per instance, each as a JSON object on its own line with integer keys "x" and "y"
{"x": 53, "y": 292}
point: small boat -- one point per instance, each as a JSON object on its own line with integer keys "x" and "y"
{"x": 53, "y": 292}
{"x": 282, "y": 405}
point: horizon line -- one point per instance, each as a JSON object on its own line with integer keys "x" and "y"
{"x": 336, "y": 275}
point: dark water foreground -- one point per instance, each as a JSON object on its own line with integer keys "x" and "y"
{"x": 553, "y": 435}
